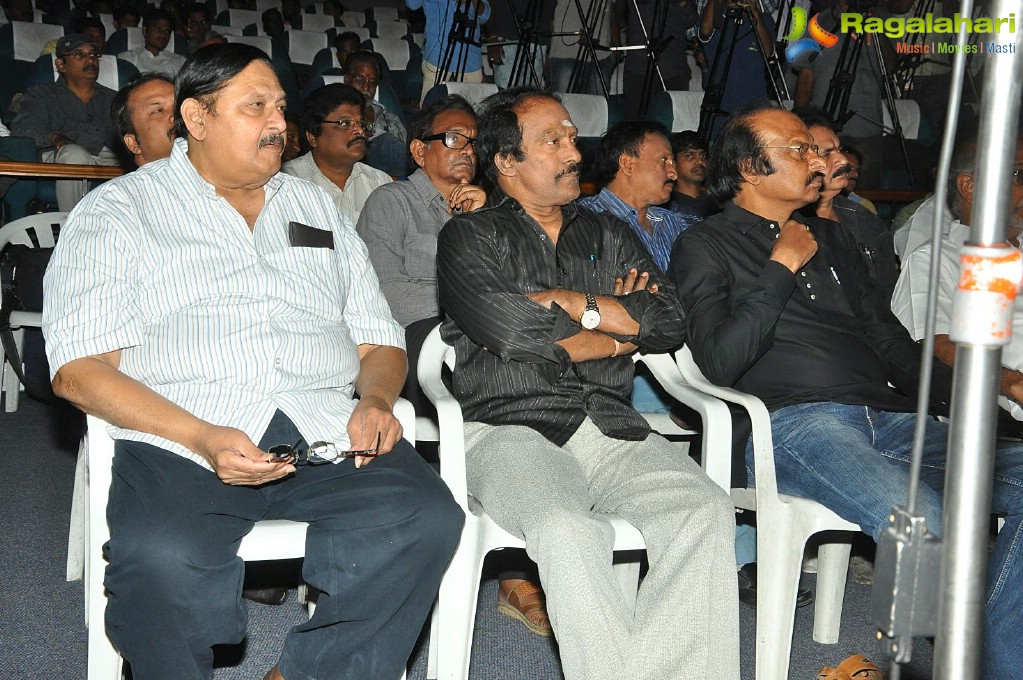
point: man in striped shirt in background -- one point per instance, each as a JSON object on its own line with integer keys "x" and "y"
{"x": 211, "y": 308}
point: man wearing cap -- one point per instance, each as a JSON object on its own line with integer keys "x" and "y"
{"x": 70, "y": 119}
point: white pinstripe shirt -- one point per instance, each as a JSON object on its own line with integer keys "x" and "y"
{"x": 230, "y": 324}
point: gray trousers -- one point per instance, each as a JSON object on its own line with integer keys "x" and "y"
{"x": 71, "y": 191}
{"x": 686, "y": 622}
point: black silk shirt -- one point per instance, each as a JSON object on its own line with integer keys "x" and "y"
{"x": 817, "y": 335}
{"x": 509, "y": 369}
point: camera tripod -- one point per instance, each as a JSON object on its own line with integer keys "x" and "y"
{"x": 527, "y": 47}
{"x": 836, "y": 102}
{"x": 462, "y": 33}
{"x": 739, "y": 15}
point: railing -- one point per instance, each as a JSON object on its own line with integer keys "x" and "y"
{"x": 58, "y": 170}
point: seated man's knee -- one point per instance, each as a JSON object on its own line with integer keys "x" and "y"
{"x": 73, "y": 154}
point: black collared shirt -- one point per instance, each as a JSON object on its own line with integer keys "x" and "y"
{"x": 818, "y": 335}
{"x": 509, "y": 369}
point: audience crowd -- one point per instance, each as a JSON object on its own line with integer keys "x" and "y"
{"x": 369, "y": 214}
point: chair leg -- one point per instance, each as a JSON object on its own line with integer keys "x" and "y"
{"x": 77, "y": 533}
{"x": 432, "y": 649}
{"x": 12, "y": 386}
{"x": 779, "y": 554}
{"x": 628, "y": 579}
{"x": 832, "y": 566}
{"x": 456, "y": 612}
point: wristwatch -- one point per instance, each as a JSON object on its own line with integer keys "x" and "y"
{"x": 590, "y": 317}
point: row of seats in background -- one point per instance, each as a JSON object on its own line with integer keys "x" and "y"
{"x": 298, "y": 55}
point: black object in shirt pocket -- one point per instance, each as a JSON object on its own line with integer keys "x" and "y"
{"x": 303, "y": 236}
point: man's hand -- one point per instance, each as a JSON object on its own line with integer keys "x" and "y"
{"x": 795, "y": 246}
{"x": 370, "y": 417}
{"x": 632, "y": 282}
{"x": 1012, "y": 385}
{"x": 58, "y": 140}
{"x": 465, "y": 198}
{"x": 495, "y": 54}
{"x": 236, "y": 460}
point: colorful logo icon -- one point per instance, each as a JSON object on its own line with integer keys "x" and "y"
{"x": 819, "y": 38}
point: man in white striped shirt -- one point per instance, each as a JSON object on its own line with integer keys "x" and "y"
{"x": 210, "y": 308}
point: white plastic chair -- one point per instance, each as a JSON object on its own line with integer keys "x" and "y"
{"x": 30, "y": 38}
{"x": 303, "y": 46}
{"x": 353, "y": 19}
{"x": 261, "y": 41}
{"x": 784, "y": 524}
{"x": 317, "y": 22}
{"x": 391, "y": 30}
{"x": 268, "y": 540}
{"x": 36, "y": 231}
{"x": 454, "y": 615}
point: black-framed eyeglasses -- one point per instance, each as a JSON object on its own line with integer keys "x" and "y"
{"x": 801, "y": 149}
{"x": 452, "y": 140}
{"x": 80, "y": 55}
{"x": 317, "y": 453}
{"x": 347, "y": 123}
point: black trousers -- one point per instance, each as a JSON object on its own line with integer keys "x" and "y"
{"x": 379, "y": 540}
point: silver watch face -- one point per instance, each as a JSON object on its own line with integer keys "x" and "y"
{"x": 590, "y": 319}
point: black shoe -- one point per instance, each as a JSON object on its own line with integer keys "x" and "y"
{"x": 748, "y": 588}
{"x": 272, "y": 596}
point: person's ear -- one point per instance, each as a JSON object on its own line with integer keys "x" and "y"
{"x": 59, "y": 61}
{"x": 964, "y": 183}
{"x": 505, "y": 164}
{"x": 625, "y": 163}
{"x": 193, "y": 113}
{"x": 310, "y": 140}
{"x": 417, "y": 148}
{"x": 748, "y": 175}
{"x": 132, "y": 142}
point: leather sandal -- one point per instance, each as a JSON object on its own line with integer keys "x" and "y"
{"x": 855, "y": 667}
{"x": 527, "y": 603}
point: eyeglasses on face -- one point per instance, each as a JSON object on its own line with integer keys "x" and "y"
{"x": 801, "y": 149}
{"x": 452, "y": 139}
{"x": 363, "y": 80}
{"x": 81, "y": 56}
{"x": 318, "y": 453}
{"x": 347, "y": 123}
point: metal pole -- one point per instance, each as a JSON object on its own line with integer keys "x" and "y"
{"x": 977, "y": 368}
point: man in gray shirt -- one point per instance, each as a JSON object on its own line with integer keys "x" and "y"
{"x": 401, "y": 220}
{"x": 70, "y": 119}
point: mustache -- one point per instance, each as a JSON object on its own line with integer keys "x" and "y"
{"x": 356, "y": 139}
{"x": 274, "y": 139}
{"x": 814, "y": 177}
{"x": 842, "y": 171}
{"x": 573, "y": 169}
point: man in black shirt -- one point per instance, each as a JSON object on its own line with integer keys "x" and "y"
{"x": 785, "y": 309}
{"x": 545, "y": 301}
{"x": 873, "y": 238}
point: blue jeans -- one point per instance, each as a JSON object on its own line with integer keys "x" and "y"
{"x": 855, "y": 461}
{"x": 379, "y": 539}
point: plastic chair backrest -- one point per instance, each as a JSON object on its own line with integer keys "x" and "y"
{"x": 316, "y": 22}
{"x": 303, "y": 46}
{"x": 29, "y": 38}
{"x": 384, "y": 14}
{"x": 353, "y": 19}
{"x": 261, "y": 41}
{"x": 590, "y": 113}
{"x": 392, "y": 30}
{"x": 474, "y": 93}
{"x": 397, "y": 53}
